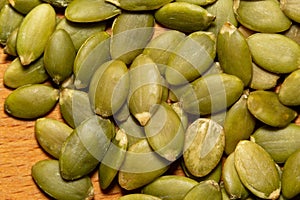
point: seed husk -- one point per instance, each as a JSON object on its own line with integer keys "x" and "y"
{"x": 290, "y": 176}
{"x": 138, "y": 197}
{"x": 282, "y": 53}
{"x": 204, "y": 145}
{"x": 141, "y": 166}
{"x": 47, "y": 176}
{"x": 191, "y": 58}
{"x": 165, "y": 132}
{"x": 38, "y": 25}
{"x": 291, "y": 8}
{"x": 139, "y": 5}
{"x": 84, "y": 11}
{"x": 58, "y": 58}
{"x": 85, "y": 147}
{"x": 113, "y": 159}
{"x": 280, "y": 143}
{"x": 31, "y": 101}
{"x": 10, "y": 19}
{"x": 109, "y": 88}
{"x": 17, "y": 75}
{"x": 289, "y": 93}
{"x": 24, "y": 6}
{"x": 51, "y": 134}
{"x": 92, "y": 54}
{"x": 206, "y": 190}
{"x": 161, "y": 187}
{"x": 145, "y": 88}
{"x": 184, "y": 17}
{"x": 212, "y": 94}
{"x": 257, "y": 170}
{"x": 261, "y": 16}
{"x": 11, "y": 43}
{"x": 131, "y": 33}
{"x": 266, "y": 107}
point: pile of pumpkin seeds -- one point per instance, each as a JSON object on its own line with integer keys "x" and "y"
{"x": 212, "y": 85}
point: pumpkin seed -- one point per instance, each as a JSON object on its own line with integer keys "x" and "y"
{"x": 280, "y": 143}
{"x": 257, "y": 170}
{"x": 11, "y": 43}
{"x": 198, "y": 2}
{"x": 293, "y": 33}
{"x": 38, "y": 26}
{"x": 182, "y": 115}
{"x": 206, "y": 190}
{"x": 289, "y": 92}
{"x": 282, "y": 52}
{"x": 58, "y": 3}
{"x": 291, "y": 8}
{"x": 204, "y": 145}
{"x": 24, "y": 6}
{"x": 139, "y": 197}
{"x": 266, "y": 107}
{"x": 47, "y": 176}
{"x": 51, "y": 134}
{"x": 16, "y": 75}
{"x": 90, "y": 11}
{"x": 161, "y": 187}
{"x": 31, "y": 101}
{"x": 184, "y": 17}
{"x": 139, "y": 5}
{"x": 123, "y": 113}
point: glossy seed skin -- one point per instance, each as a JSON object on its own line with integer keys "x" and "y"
{"x": 139, "y": 5}
{"x": 291, "y": 8}
{"x": 289, "y": 92}
{"x": 11, "y": 43}
{"x": 24, "y": 6}
{"x": 206, "y": 189}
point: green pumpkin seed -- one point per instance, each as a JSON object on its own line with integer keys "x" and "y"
{"x": 145, "y": 88}
{"x": 75, "y": 106}
{"x": 282, "y": 53}
{"x": 257, "y": 170}
{"x": 90, "y": 11}
{"x": 161, "y": 187}
{"x": 212, "y": 94}
{"x": 85, "y": 147}
{"x": 10, "y": 19}
{"x": 11, "y": 43}
{"x": 92, "y": 54}
{"x": 198, "y": 2}
{"x": 16, "y": 75}
{"x": 291, "y": 8}
{"x": 109, "y": 88}
{"x": 289, "y": 90}
{"x": 51, "y": 134}
{"x": 206, "y": 190}
{"x": 59, "y": 59}
{"x": 266, "y": 107}
{"x": 141, "y": 166}
{"x": 280, "y": 143}
{"x": 293, "y": 33}
{"x": 177, "y": 91}
{"x": 290, "y": 176}
{"x": 131, "y": 34}
{"x": 58, "y": 3}
{"x": 139, "y": 5}
{"x": 177, "y": 107}
{"x": 160, "y": 48}
{"x": 38, "y": 26}
{"x": 46, "y": 175}
{"x": 191, "y": 58}
{"x": 225, "y": 195}
{"x": 261, "y": 16}
{"x": 234, "y": 54}
{"x": 204, "y": 145}
{"x": 113, "y": 159}
{"x": 233, "y": 134}
{"x": 138, "y": 197}
{"x": 31, "y": 101}
{"x": 165, "y": 132}
{"x": 24, "y": 6}
{"x": 223, "y": 10}
{"x": 262, "y": 79}
{"x": 80, "y": 32}
{"x": 184, "y": 17}
{"x": 232, "y": 183}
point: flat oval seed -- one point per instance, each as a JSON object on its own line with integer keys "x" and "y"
{"x": 261, "y": 16}
{"x": 282, "y": 53}
{"x": 24, "y": 6}
{"x": 291, "y": 8}
{"x": 290, "y": 176}
{"x": 59, "y": 59}
{"x": 184, "y": 17}
{"x": 37, "y": 26}
{"x": 139, "y": 5}
{"x": 257, "y": 170}
{"x": 161, "y": 187}
{"x": 289, "y": 93}
{"x": 47, "y": 176}
{"x": 31, "y": 101}
{"x": 280, "y": 143}
{"x": 266, "y": 107}
{"x": 11, "y": 43}
{"x": 51, "y": 134}
{"x": 206, "y": 190}
{"x": 90, "y": 11}
{"x": 17, "y": 75}
{"x": 139, "y": 197}
{"x": 204, "y": 145}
